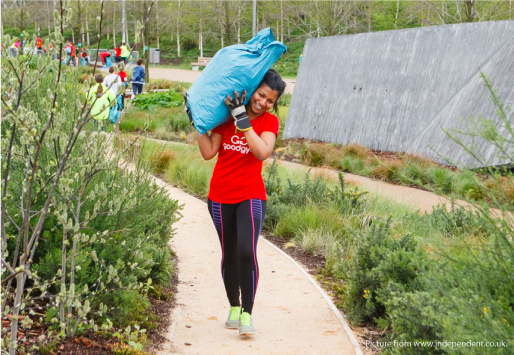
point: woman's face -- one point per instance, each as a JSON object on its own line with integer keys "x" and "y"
{"x": 263, "y": 99}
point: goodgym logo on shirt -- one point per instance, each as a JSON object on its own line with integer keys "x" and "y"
{"x": 238, "y": 144}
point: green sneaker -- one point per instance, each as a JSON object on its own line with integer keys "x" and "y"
{"x": 233, "y": 318}
{"x": 246, "y": 324}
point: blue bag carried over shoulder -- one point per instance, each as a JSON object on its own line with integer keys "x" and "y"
{"x": 234, "y": 68}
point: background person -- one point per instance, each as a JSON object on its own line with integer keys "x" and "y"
{"x": 100, "y": 98}
{"x": 138, "y": 78}
{"x": 237, "y": 196}
{"x": 103, "y": 57}
{"x": 113, "y": 81}
{"x": 123, "y": 77}
{"x": 125, "y": 52}
{"x": 85, "y": 56}
{"x": 117, "y": 56}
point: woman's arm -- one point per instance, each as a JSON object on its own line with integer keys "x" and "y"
{"x": 262, "y": 146}
{"x": 209, "y": 146}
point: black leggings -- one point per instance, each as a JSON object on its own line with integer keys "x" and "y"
{"x": 238, "y": 226}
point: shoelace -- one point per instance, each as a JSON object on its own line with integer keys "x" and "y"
{"x": 235, "y": 312}
{"x": 246, "y": 319}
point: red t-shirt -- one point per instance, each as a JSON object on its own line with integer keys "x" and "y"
{"x": 237, "y": 175}
{"x": 104, "y": 54}
{"x": 123, "y": 76}
{"x": 117, "y": 51}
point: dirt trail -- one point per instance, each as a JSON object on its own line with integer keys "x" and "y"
{"x": 291, "y": 315}
{"x": 189, "y": 76}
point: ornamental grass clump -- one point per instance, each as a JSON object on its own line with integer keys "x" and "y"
{"x": 161, "y": 160}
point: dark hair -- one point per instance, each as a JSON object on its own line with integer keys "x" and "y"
{"x": 111, "y": 69}
{"x": 274, "y": 81}
{"x": 139, "y": 61}
{"x": 99, "y": 78}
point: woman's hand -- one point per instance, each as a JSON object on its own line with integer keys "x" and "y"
{"x": 238, "y": 111}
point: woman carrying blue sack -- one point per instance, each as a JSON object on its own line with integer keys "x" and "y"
{"x": 237, "y": 196}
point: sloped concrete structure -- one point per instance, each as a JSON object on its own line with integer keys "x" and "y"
{"x": 398, "y": 90}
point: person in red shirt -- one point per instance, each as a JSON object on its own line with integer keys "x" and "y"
{"x": 117, "y": 51}
{"x": 104, "y": 55}
{"x": 237, "y": 196}
{"x": 72, "y": 55}
{"x": 123, "y": 77}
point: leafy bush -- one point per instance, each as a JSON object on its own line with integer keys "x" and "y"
{"x": 94, "y": 227}
{"x": 135, "y": 306}
{"x": 158, "y": 99}
{"x": 379, "y": 265}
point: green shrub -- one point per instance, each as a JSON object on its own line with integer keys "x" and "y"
{"x": 468, "y": 185}
{"x": 457, "y": 221}
{"x": 379, "y": 264}
{"x": 416, "y": 317}
{"x": 285, "y": 99}
{"x": 135, "y": 306}
{"x": 170, "y": 98}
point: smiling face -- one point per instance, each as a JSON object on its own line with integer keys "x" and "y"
{"x": 261, "y": 101}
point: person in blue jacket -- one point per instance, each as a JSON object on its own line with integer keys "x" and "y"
{"x": 138, "y": 78}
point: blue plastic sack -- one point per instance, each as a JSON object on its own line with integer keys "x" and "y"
{"x": 238, "y": 67}
{"x": 115, "y": 112}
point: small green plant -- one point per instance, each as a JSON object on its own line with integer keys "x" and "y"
{"x": 170, "y": 98}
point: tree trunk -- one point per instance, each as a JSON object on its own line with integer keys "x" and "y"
{"x": 20, "y": 285}
{"x": 221, "y": 31}
{"x": 62, "y": 318}
{"x": 157, "y": 21}
{"x": 470, "y": 7}
{"x": 147, "y": 52}
{"x": 239, "y": 25}
{"x": 368, "y": 7}
{"x": 50, "y": 14}
{"x": 281, "y": 21}
{"x": 72, "y": 35}
{"x": 200, "y": 35}
{"x": 226, "y": 6}
{"x": 82, "y": 33}
{"x": 397, "y": 11}
{"x": 87, "y": 29}
{"x": 123, "y": 21}
{"x": 178, "y": 28}
{"x": 114, "y": 26}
